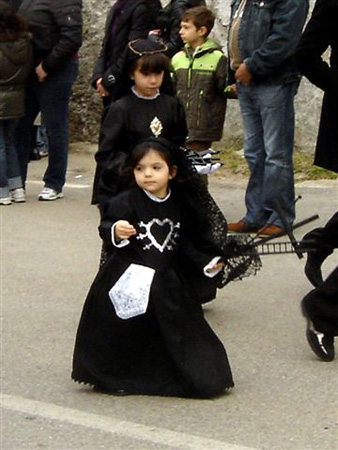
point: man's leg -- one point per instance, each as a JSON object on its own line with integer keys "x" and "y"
{"x": 254, "y": 153}
{"x": 277, "y": 112}
{"x": 25, "y": 124}
{"x": 54, "y": 95}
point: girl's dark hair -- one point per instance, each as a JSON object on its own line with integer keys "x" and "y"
{"x": 141, "y": 149}
{"x": 12, "y": 25}
{"x": 162, "y": 146}
{"x": 155, "y": 63}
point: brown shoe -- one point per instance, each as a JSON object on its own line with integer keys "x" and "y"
{"x": 269, "y": 230}
{"x": 241, "y": 227}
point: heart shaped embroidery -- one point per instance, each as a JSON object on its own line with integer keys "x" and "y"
{"x": 154, "y": 241}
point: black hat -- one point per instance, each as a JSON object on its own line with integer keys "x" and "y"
{"x": 149, "y": 46}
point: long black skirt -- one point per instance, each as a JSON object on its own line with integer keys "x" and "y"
{"x": 170, "y": 350}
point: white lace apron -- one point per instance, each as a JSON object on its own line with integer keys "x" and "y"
{"x": 130, "y": 293}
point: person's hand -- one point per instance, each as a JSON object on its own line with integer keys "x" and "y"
{"x": 243, "y": 75}
{"x": 216, "y": 267}
{"x": 124, "y": 230}
{"x": 231, "y": 91}
{"x": 40, "y": 72}
{"x": 100, "y": 89}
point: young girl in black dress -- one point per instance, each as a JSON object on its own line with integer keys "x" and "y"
{"x": 142, "y": 329}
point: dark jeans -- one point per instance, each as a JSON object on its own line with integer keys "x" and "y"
{"x": 51, "y": 97}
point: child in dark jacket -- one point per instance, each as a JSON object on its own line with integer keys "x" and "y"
{"x": 15, "y": 63}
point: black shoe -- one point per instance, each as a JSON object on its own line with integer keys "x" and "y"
{"x": 104, "y": 390}
{"x": 321, "y": 344}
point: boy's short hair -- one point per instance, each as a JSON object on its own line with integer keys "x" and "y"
{"x": 200, "y": 16}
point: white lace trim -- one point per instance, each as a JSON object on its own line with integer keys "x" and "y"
{"x": 157, "y": 199}
{"x": 208, "y": 272}
{"x": 143, "y": 97}
{"x": 118, "y": 244}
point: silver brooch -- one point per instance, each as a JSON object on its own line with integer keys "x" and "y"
{"x": 156, "y": 126}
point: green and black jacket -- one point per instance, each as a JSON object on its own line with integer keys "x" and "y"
{"x": 200, "y": 79}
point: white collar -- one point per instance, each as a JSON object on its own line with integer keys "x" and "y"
{"x": 157, "y": 199}
{"x": 143, "y": 97}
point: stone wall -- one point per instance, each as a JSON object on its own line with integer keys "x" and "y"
{"x": 86, "y": 109}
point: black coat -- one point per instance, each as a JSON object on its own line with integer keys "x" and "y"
{"x": 57, "y": 30}
{"x": 134, "y": 22}
{"x": 169, "y": 21}
{"x": 320, "y": 33}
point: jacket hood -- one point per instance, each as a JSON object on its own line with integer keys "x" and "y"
{"x": 16, "y": 51}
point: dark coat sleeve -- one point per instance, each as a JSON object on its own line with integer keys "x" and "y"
{"x": 112, "y": 129}
{"x": 68, "y": 19}
{"x": 137, "y": 26}
{"x": 324, "y": 239}
{"x": 111, "y": 137}
{"x": 317, "y": 37}
{"x": 173, "y": 40}
{"x": 198, "y": 247}
{"x": 116, "y": 208}
{"x": 100, "y": 62}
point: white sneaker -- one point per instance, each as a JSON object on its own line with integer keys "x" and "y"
{"x": 49, "y": 194}
{"x": 5, "y": 201}
{"x": 18, "y": 195}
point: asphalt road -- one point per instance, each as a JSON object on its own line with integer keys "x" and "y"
{"x": 284, "y": 399}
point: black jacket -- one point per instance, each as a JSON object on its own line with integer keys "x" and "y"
{"x": 131, "y": 119}
{"x": 134, "y": 22}
{"x": 56, "y": 28}
{"x": 169, "y": 21}
{"x": 320, "y": 34}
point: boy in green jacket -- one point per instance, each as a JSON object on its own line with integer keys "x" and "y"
{"x": 199, "y": 73}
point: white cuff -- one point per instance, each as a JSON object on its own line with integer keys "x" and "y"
{"x": 118, "y": 244}
{"x": 211, "y": 264}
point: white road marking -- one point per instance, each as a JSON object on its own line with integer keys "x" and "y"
{"x": 108, "y": 424}
{"x": 67, "y": 185}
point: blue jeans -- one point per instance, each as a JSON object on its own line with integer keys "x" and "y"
{"x": 41, "y": 138}
{"x": 9, "y": 166}
{"x": 51, "y": 97}
{"x": 268, "y": 118}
